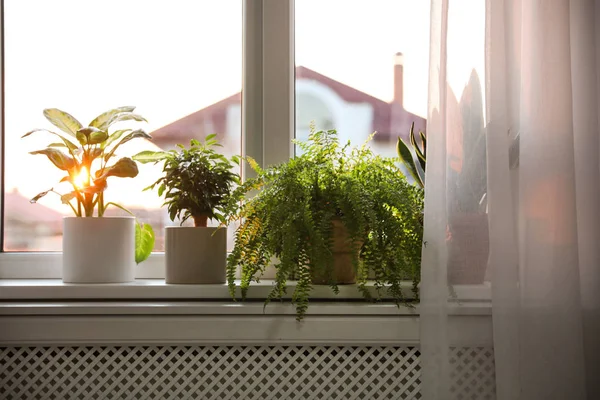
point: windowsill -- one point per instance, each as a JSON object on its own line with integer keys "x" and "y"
{"x": 148, "y": 311}
{"x": 157, "y": 289}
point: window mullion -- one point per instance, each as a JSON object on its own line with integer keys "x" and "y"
{"x": 278, "y": 80}
{"x": 268, "y": 85}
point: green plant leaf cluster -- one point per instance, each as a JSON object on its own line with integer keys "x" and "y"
{"x": 291, "y": 219}
{"x": 197, "y": 182}
{"x": 86, "y": 154}
{"x": 414, "y": 160}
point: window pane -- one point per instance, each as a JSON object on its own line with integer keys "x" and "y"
{"x": 179, "y": 62}
{"x": 350, "y": 75}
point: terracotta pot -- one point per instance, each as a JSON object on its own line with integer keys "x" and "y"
{"x": 195, "y": 255}
{"x": 468, "y": 248}
{"x": 343, "y": 258}
{"x": 98, "y": 250}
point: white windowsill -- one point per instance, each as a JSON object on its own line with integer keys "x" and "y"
{"x": 157, "y": 289}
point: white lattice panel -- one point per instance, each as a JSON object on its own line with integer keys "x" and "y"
{"x": 226, "y": 372}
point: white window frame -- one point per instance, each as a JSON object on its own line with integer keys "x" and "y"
{"x": 268, "y": 112}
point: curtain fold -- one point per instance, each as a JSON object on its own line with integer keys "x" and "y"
{"x": 524, "y": 109}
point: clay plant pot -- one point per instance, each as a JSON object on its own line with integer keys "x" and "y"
{"x": 195, "y": 255}
{"x": 98, "y": 250}
{"x": 343, "y": 258}
{"x": 468, "y": 248}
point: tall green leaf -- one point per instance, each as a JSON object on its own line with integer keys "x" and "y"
{"x": 144, "y": 242}
{"x": 135, "y": 134}
{"x": 407, "y": 159}
{"x": 62, "y": 120}
{"x": 102, "y": 121}
{"x": 58, "y": 158}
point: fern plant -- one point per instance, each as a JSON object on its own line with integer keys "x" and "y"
{"x": 291, "y": 218}
{"x": 198, "y": 182}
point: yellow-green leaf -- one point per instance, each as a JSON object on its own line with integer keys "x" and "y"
{"x": 124, "y": 168}
{"x": 144, "y": 242}
{"x": 40, "y": 195}
{"x": 114, "y": 136}
{"x": 58, "y": 158}
{"x": 150, "y": 156}
{"x": 66, "y": 198}
{"x": 70, "y": 145}
{"x": 135, "y": 134}
{"x": 62, "y": 120}
{"x": 102, "y": 121}
{"x": 126, "y": 117}
{"x": 92, "y": 135}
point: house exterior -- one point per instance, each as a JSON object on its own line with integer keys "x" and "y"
{"x": 30, "y": 227}
{"x": 329, "y": 103}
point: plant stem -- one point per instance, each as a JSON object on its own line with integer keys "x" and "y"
{"x": 100, "y": 204}
{"x": 200, "y": 220}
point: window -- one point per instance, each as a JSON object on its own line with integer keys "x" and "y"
{"x": 179, "y": 62}
{"x": 183, "y": 64}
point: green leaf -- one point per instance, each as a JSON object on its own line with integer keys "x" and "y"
{"x": 102, "y": 121}
{"x": 124, "y": 168}
{"x": 135, "y": 134}
{"x": 60, "y": 145}
{"x": 209, "y": 137}
{"x": 118, "y": 206}
{"x": 70, "y": 145}
{"x": 66, "y": 198}
{"x": 93, "y": 135}
{"x": 40, "y": 195}
{"x": 114, "y": 136}
{"x": 144, "y": 242}
{"x": 58, "y": 158}
{"x": 62, "y": 120}
{"x": 147, "y": 156}
{"x": 125, "y": 117}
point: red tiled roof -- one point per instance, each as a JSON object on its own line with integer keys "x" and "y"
{"x": 215, "y": 115}
{"x": 17, "y": 207}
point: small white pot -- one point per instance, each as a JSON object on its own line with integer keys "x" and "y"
{"x": 98, "y": 250}
{"x": 195, "y": 255}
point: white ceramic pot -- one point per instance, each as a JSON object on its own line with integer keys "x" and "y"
{"x": 195, "y": 255}
{"x": 98, "y": 250}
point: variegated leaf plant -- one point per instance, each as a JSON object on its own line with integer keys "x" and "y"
{"x": 86, "y": 154}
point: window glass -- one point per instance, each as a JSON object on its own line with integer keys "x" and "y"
{"x": 179, "y": 62}
{"x": 361, "y": 67}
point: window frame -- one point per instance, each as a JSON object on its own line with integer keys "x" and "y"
{"x": 268, "y": 112}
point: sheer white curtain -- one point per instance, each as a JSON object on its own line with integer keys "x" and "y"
{"x": 521, "y": 79}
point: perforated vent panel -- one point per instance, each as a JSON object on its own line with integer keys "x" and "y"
{"x": 229, "y": 372}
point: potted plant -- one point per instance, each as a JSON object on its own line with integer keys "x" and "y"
{"x": 329, "y": 216}
{"x": 468, "y": 236}
{"x": 96, "y": 249}
{"x": 198, "y": 183}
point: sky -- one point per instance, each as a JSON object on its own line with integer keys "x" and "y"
{"x": 173, "y": 58}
